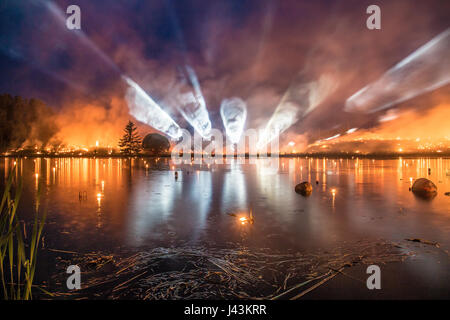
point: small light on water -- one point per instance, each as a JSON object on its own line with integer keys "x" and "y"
{"x": 243, "y": 220}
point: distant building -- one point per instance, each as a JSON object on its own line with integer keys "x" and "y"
{"x": 155, "y": 144}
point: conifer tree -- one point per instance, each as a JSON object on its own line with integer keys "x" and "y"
{"x": 130, "y": 143}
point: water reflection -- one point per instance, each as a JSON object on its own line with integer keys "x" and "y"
{"x": 106, "y": 203}
{"x": 234, "y": 195}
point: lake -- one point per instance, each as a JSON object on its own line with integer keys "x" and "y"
{"x": 117, "y": 204}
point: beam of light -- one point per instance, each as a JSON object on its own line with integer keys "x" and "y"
{"x": 141, "y": 106}
{"x": 426, "y": 69}
{"x": 234, "y": 113}
{"x": 188, "y": 97}
{"x": 41, "y": 17}
{"x": 189, "y": 100}
{"x": 301, "y": 98}
{"x": 333, "y": 137}
{"x": 144, "y": 109}
{"x": 61, "y": 16}
{"x": 267, "y": 22}
{"x": 351, "y": 130}
{"x": 389, "y": 116}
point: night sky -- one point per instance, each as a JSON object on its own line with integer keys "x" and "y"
{"x": 248, "y": 49}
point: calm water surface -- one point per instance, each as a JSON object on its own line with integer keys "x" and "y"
{"x": 106, "y": 204}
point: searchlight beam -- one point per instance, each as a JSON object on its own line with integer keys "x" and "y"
{"x": 426, "y": 69}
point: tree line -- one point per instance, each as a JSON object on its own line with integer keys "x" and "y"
{"x": 25, "y": 120}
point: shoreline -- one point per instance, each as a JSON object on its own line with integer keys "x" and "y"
{"x": 247, "y": 156}
{"x": 185, "y": 273}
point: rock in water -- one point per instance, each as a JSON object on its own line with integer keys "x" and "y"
{"x": 304, "y": 188}
{"x": 424, "y": 188}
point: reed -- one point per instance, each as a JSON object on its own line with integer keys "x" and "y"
{"x": 18, "y": 257}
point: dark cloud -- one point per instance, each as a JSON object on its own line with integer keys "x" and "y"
{"x": 249, "y": 49}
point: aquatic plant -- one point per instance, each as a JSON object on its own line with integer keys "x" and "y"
{"x": 17, "y": 256}
{"x": 197, "y": 272}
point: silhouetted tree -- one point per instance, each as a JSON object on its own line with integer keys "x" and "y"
{"x": 130, "y": 142}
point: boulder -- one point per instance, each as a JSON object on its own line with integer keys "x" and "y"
{"x": 424, "y": 188}
{"x": 155, "y": 144}
{"x": 304, "y": 188}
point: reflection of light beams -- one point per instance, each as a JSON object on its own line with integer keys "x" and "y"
{"x": 152, "y": 205}
{"x": 234, "y": 113}
{"x": 234, "y": 192}
{"x": 144, "y": 109}
{"x": 333, "y": 193}
{"x": 300, "y": 99}
{"x": 424, "y": 70}
{"x": 351, "y": 130}
{"x": 188, "y": 98}
{"x": 267, "y": 166}
{"x": 201, "y": 198}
